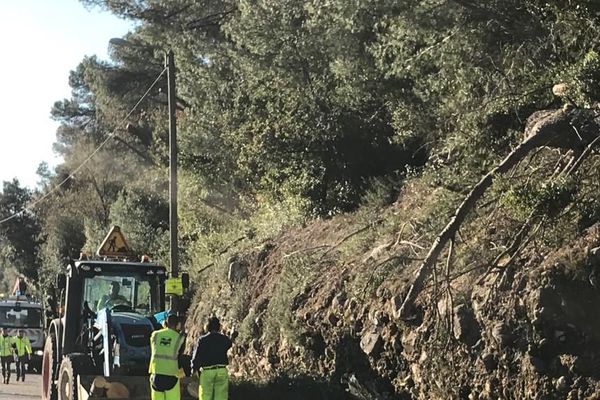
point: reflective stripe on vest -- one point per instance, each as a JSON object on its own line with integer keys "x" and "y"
{"x": 165, "y": 345}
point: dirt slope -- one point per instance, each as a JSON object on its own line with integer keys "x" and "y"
{"x": 530, "y": 331}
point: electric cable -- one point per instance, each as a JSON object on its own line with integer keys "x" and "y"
{"x": 89, "y": 157}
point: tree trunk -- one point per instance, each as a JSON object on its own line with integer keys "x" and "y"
{"x": 407, "y": 310}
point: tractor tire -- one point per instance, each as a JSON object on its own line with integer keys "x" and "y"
{"x": 67, "y": 380}
{"x": 49, "y": 367}
{"x": 71, "y": 367}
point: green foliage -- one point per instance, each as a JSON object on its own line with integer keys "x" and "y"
{"x": 372, "y": 274}
{"x": 283, "y": 108}
{"x": 270, "y": 219}
{"x": 583, "y": 80}
{"x": 64, "y": 236}
{"x": 381, "y": 192}
{"x": 144, "y": 218}
{"x": 590, "y": 213}
{"x": 548, "y": 198}
{"x": 279, "y": 320}
{"x": 19, "y": 236}
{"x": 310, "y": 99}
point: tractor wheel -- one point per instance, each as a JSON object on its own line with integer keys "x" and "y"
{"x": 49, "y": 365}
{"x": 67, "y": 380}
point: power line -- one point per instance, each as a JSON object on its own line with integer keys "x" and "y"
{"x": 89, "y": 157}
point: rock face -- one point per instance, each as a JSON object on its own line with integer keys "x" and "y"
{"x": 529, "y": 331}
{"x": 535, "y": 335}
{"x": 238, "y": 271}
{"x": 371, "y": 343}
{"x": 465, "y": 327}
{"x": 501, "y": 334}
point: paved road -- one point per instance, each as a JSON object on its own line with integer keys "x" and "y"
{"x": 28, "y": 390}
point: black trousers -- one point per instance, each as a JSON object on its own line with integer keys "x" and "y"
{"x": 20, "y": 366}
{"x": 6, "y": 361}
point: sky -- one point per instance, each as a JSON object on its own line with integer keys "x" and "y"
{"x": 41, "y": 41}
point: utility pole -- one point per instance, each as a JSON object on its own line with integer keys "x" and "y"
{"x": 173, "y": 229}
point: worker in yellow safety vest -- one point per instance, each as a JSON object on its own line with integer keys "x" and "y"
{"x": 6, "y": 353}
{"x": 23, "y": 349}
{"x": 166, "y": 346}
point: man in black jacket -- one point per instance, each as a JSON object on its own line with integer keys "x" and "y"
{"x": 210, "y": 360}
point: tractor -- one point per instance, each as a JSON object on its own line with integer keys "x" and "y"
{"x": 96, "y": 337}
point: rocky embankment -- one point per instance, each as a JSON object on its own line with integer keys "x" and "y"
{"x": 530, "y": 330}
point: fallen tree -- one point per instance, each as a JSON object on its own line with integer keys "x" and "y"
{"x": 569, "y": 128}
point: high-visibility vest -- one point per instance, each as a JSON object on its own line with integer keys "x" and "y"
{"x": 23, "y": 345}
{"x": 6, "y": 346}
{"x": 165, "y": 345}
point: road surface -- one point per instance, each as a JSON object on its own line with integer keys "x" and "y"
{"x": 28, "y": 390}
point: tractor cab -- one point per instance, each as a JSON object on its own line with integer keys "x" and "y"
{"x": 138, "y": 289}
{"x": 113, "y": 300}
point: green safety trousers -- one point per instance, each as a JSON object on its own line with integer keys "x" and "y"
{"x": 172, "y": 394}
{"x": 214, "y": 384}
